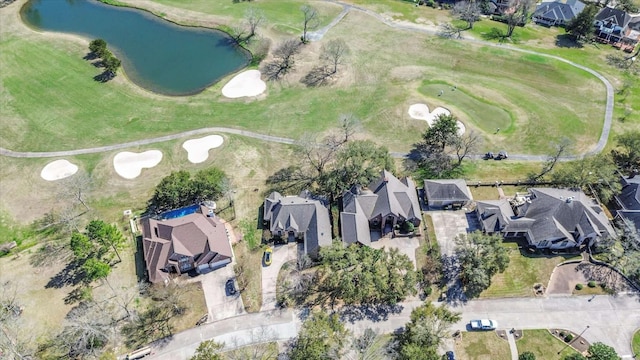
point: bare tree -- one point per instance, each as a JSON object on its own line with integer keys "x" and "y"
{"x": 87, "y": 331}
{"x": 464, "y": 145}
{"x": 76, "y": 187}
{"x": 254, "y": 18}
{"x": 283, "y": 61}
{"x": 334, "y": 52}
{"x": 517, "y": 14}
{"x": 264, "y": 347}
{"x": 560, "y": 148}
{"x": 311, "y": 20}
{"x": 468, "y": 11}
{"x": 16, "y": 340}
{"x": 349, "y": 125}
{"x": 450, "y": 31}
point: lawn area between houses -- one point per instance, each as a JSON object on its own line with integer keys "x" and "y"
{"x": 523, "y": 272}
{"x": 635, "y": 344}
{"x": 249, "y": 275}
{"x": 481, "y": 345}
{"x": 543, "y": 345}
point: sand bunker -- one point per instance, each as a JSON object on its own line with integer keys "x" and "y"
{"x": 247, "y": 83}
{"x": 198, "y": 149}
{"x": 421, "y": 112}
{"x": 129, "y": 165}
{"x": 57, "y": 170}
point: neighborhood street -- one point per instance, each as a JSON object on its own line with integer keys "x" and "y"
{"x": 611, "y": 320}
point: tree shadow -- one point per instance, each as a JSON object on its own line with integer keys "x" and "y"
{"x": 495, "y": 34}
{"x": 90, "y": 56}
{"x": 607, "y": 277}
{"x": 375, "y": 313}
{"x": 567, "y": 41}
{"x": 71, "y": 275}
{"x": 104, "y": 77}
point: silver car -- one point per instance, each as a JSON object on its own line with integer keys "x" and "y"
{"x": 483, "y": 324}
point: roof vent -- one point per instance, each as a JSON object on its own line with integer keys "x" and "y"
{"x": 569, "y": 200}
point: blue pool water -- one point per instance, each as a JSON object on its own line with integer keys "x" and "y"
{"x": 173, "y": 214}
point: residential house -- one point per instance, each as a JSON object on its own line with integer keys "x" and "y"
{"x": 557, "y": 12}
{"x": 446, "y": 193}
{"x": 611, "y": 24}
{"x": 196, "y": 241}
{"x": 631, "y": 35}
{"x": 298, "y": 218}
{"x": 373, "y": 212}
{"x": 547, "y": 218}
{"x": 629, "y": 200}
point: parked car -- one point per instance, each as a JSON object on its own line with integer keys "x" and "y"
{"x": 502, "y": 155}
{"x": 230, "y": 287}
{"x": 450, "y": 355}
{"x": 488, "y": 155}
{"x": 267, "y": 256}
{"x": 483, "y": 324}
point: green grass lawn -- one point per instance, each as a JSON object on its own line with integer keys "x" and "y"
{"x": 523, "y": 272}
{"x": 543, "y": 345}
{"x": 481, "y": 346}
{"x": 636, "y": 342}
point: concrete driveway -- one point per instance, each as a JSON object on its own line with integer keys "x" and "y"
{"x": 281, "y": 254}
{"x": 449, "y": 224}
{"x": 406, "y": 245}
{"x": 219, "y": 305}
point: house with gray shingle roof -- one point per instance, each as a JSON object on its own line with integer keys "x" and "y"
{"x": 197, "y": 241}
{"x": 372, "y": 212}
{"x": 298, "y": 218}
{"x": 557, "y": 12}
{"x": 547, "y": 218}
{"x": 611, "y": 24}
{"x": 629, "y": 200}
{"x": 446, "y": 192}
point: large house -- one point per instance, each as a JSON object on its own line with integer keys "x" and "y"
{"x": 184, "y": 240}
{"x": 629, "y": 200}
{"x": 446, "y": 192}
{"x": 557, "y": 12}
{"x": 373, "y": 212}
{"x": 617, "y": 27}
{"x": 298, "y": 218}
{"x": 547, "y": 218}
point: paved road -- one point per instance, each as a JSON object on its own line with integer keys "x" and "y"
{"x": 611, "y": 320}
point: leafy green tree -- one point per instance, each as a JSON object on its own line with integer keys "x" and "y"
{"x": 97, "y": 46}
{"x": 208, "y": 350}
{"x": 527, "y": 355}
{"x": 363, "y": 275}
{"x": 81, "y": 246}
{"x": 95, "y": 269}
{"x": 429, "y": 325}
{"x": 623, "y": 250}
{"x": 600, "y": 351}
{"x": 106, "y": 236}
{"x": 598, "y": 171}
{"x": 321, "y": 337}
{"x": 582, "y": 24}
{"x": 627, "y": 154}
{"x": 178, "y": 189}
{"x": 111, "y": 65}
{"x": 480, "y": 256}
{"x": 628, "y": 6}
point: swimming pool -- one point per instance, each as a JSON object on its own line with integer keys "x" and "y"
{"x": 173, "y": 214}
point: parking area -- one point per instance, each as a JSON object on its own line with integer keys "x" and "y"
{"x": 405, "y": 245}
{"x": 281, "y": 254}
{"x": 449, "y": 224}
{"x": 219, "y": 305}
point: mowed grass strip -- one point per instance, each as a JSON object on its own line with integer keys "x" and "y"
{"x": 481, "y": 346}
{"x": 636, "y": 342}
{"x": 523, "y": 272}
{"x": 543, "y": 345}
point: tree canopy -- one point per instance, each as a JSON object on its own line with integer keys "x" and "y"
{"x": 600, "y": 351}
{"x": 321, "y": 337}
{"x": 363, "y": 275}
{"x": 582, "y": 24}
{"x": 627, "y": 153}
{"x": 429, "y": 325}
{"x": 480, "y": 256}
{"x": 598, "y": 171}
{"x": 180, "y": 189}
{"x": 208, "y": 350}
{"x": 527, "y": 355}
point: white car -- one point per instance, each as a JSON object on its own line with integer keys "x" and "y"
{"x": 483, "y": 324}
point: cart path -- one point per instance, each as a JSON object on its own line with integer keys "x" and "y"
{"x": 602, "y": 141}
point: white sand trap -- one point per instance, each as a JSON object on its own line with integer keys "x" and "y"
{"x": 129, "y": 165}
{"x": 421, "y": 112}
{"x": 57, "y": 170}
{"x": 247, "y": 83}
{"x": 198, "y": 149}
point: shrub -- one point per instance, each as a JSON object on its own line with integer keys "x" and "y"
{"x": 591, "y": 284}
{"x": 527, "y": 355}
{"x": 579, "y": 286}
{"x": 568, "y": 338}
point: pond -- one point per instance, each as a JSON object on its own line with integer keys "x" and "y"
{"x": 156, "y": 54}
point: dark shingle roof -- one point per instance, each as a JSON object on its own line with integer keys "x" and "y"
{"x": 195, "y": 235}
{"x": 494, "y": 214}
{"x": 630, "y": 195}
{"x": 448, "y": 189}
{"x": 614, "y": 16}
{"x": 564, "y": 10}
{"x": 300, "y": 214}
